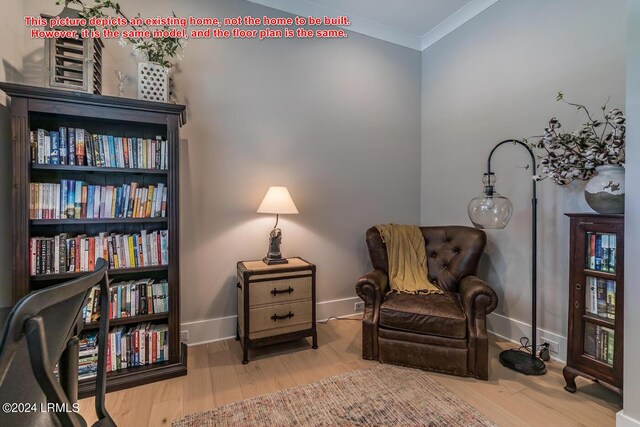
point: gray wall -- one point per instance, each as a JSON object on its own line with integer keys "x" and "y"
{"x": 11, "y": 51}
{"x": 337, "y": 121}
{"x": 496, "y": 78}
{"x": 632, "y": 219}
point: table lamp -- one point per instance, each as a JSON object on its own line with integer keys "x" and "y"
{"x": 490, "y": 210}
{"x": 277, "y": 201}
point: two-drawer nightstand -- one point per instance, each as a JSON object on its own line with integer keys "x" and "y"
{"x": 276, "y": 303}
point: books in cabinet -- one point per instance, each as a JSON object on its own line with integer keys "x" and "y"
{"x": 601, "y": 252}
{"x": 79, "y": 147}
{"x": 64, "y": 253}
{"x": 75, "y": 199}
{"x": 127, "y": 347}
{"x": 128, "y": 299}
{"x": 601, "y": 297}
{"x": 599, "y": 342}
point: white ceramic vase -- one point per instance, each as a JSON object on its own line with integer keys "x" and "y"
{"x": 605, "y": 191}
{"x": 153, "y": 82}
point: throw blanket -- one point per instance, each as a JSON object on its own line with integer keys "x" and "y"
{"x": 407, "y": 259}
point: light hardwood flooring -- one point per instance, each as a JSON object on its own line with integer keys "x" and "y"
{"x": 216, "y": 377}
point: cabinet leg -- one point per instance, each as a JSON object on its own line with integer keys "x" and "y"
{"x": 314, "y": 345}
{"x": 245, "y": 354}
{"x": 570, "y": 378}
{"x": 237, "y": 334}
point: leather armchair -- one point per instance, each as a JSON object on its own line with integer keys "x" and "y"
{"x": 443, "y": 333}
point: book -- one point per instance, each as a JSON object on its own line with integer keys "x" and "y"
{"x": 612, "y": 253}
{"x": 602, "y": 297}
{"x": 611, "y": 299}
{"x": 71, "y": 136}
{"x": 80, "y": 147}
{"x": 55, "y": 148}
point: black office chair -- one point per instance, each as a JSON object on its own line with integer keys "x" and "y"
{"x": 41, "y": 331}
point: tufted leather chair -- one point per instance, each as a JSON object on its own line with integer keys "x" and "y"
{"x": 442, "y": 333}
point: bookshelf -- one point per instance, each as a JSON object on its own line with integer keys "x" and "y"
{"x": 596, "y": 301}
{"x": 34, "y": 108}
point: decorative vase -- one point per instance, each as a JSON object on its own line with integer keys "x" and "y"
{"x": 153, "y": 82}
{"x": 605, "y": 191}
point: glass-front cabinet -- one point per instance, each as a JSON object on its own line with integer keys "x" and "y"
{"x": 596, "y": 289}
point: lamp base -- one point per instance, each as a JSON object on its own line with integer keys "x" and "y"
{"x": 272, "y": 261}
{"x": 522, "y": 362}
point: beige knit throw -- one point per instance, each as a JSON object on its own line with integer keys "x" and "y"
{"x": 407, "y": 254}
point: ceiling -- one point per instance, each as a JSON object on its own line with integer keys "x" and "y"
{"x": 416, "y": 17}
{"x": 416, "y": 24}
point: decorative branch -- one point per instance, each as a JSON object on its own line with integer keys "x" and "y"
{"x": 575, "y": 155}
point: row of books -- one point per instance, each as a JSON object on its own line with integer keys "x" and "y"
{"x": 599, "y": 342}
{"x": 73, "y": 199}
{"x": 130, "y": 298}
{"x": 601, "y": 252}
{"x": 142, "y": 344}
{"x": 64, "y": 253}
{"x": 601, "y": 297}
{"x": 78, "y": 147}
{"x": 88, "y": 355}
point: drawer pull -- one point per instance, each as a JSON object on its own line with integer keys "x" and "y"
{"x": 275, "y": 317}
{"x": 275, "y": 291}
{"x": 578, "y": 286}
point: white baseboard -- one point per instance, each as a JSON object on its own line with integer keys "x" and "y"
{"x": 512, "y": 330}
{"x": 222, "y": 328}
{"x": 623, "y": 420}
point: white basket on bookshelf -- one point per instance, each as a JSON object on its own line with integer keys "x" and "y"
{"x": 153, "y": 82}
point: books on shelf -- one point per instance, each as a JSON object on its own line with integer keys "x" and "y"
{"x": 79, "y": 147}
{"x": 601, "y": 297}
{"x": 601, "y": 252}
{"x": 64, "y": 253}
{"x": 138, "y": 345}
{"x": 88, "y": 355}
{"x": 128, "y": 299}
{"x": 72, "y": 199}
{"x": 599, "y": 342}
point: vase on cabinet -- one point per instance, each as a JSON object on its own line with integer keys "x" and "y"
{"x": 604, "y": 192}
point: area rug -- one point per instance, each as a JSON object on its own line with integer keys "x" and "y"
{"x": 384, "y": 395}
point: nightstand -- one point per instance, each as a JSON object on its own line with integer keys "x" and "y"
{"x": 276, "y": 303}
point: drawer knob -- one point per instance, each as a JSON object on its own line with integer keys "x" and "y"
{"x": 578, "y": 286}
{"x": 275, "y": 291}
{"x": 275, "y": 317}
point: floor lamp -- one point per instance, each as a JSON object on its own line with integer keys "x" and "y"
{"x": 490, "y": 210}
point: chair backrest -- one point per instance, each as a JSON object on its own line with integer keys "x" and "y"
{"x": 453, "y": 252}
{"x": 40, "y": 328}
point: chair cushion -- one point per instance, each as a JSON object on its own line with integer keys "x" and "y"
{"x": 433, "y": 314}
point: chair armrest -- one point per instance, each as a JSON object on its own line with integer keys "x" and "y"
{"x": 372, "y": 287}
{"x": 477, "y": 297}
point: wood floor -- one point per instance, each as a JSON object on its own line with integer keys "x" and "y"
{"x": 216, "y": 377}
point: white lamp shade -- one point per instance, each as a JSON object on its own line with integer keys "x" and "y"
{"x": 277, "y": 201}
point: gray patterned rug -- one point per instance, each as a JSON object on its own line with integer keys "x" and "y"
{"x": 384, "y": 395}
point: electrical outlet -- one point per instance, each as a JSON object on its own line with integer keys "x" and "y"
{"x": 553, "y": 346}
{"x": 184, "y": 336}
{"x": 359, "y": 306}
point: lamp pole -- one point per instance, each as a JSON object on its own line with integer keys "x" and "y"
{"x": 513, "y": 358}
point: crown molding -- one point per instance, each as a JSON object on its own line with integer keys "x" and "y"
{"x": 464, "y": 14}
{"x": 379, "y": 31}
{"x": 358, "y": 25}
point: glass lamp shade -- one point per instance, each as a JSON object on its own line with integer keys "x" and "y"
{"x": 490, "y": 210}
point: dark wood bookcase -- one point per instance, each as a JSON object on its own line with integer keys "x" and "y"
{"x": 596, "y": 321}
{"x": 35, "y": 107}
